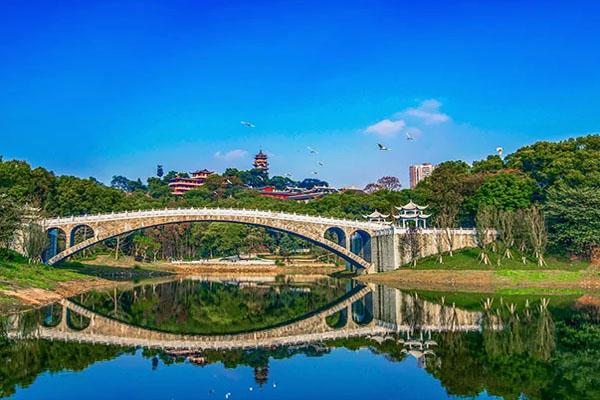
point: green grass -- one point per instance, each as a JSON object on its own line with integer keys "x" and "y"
{"x": 21, "y": 275}
{"x": 468, "y": 259}
{"x": 539, "y": 276}
{"x": 540, "y": 292}
{"x": 15, "y": 275}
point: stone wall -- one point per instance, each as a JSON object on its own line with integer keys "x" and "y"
{"x": 387, "y": 246}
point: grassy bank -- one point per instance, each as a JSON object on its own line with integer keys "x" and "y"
{"x": 22, "y": 283}
{"x": 19, "y": 275}
{"x": 468, "y": 259}
{"x": 464, "y": 272}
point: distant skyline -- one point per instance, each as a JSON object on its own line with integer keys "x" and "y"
{"x": 103, "y": 88}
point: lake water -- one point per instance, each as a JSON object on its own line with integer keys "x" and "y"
{"x": 301, "y": 337}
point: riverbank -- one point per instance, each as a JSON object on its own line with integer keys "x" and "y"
{"x": 491, "y": 281}
{"x": 465, "y": 273}
{"x": 24, "y": 285}
{"x": 208, "y": 268}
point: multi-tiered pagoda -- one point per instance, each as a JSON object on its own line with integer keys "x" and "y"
{"x": 261, "y": 162}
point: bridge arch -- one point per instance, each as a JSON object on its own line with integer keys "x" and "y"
{"x": 307, "y": 227}
{"x": 336, "y": 235}
{"x": 80, "y": 233}
{"x": 57, "y": 242}
{"x": 360, "y": 244}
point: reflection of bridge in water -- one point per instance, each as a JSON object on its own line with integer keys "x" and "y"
{"x": 375, "y": 312}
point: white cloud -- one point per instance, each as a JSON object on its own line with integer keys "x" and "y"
{"x": 428, "y": 112}
{"x": 386, "y": 127}
{"x": 408, "y": 120}
{"x": 231, "y": 155}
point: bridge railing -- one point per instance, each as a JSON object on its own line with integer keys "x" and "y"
{"x": 389, "y": 230}
{"x": 225, "y": 212}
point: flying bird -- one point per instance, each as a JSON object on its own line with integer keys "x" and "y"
{"x": 409, "y": 136}
{"x": 382, "y": 147}
{"x": 312, "y": 151}
{"x": 288, "y": 175}
{"x": 248, "y": 124}
{"x": 315, "y": 173}
{"x": 321, "y": 163}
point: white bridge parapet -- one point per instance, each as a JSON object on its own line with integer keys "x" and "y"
{"x": 206, "y": 211}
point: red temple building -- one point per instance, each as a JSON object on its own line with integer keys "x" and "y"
{"x": 180, "y": 185}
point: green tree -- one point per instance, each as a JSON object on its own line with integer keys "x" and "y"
{"x": 146, "y": 247}
{"x": 35, "y": 242}
{"x": 574, "y": 162}
{"x": 483, "y": 223}
{"x": 573, "y": 219}
{"x": 10, "y": 219}
{"x": 490, "y": 164}
{"x": 504, "y": 191}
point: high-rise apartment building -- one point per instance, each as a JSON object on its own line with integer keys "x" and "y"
{"x": 419, "y": 172}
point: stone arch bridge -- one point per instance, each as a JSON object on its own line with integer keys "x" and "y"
{"x": 312, "y": 228}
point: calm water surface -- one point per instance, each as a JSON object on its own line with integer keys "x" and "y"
{"x": 300, "y": 338}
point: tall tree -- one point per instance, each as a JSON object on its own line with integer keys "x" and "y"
{"x": 446, "y": 222}
{"x": 35, "y": 242}
{"x": 573, "y": 216}
{"x": 390, "y": 183}
{"x": 506, "y": 230}
{"x": 538, "y": 237}
{"x": 10, "y": 219}
{"x": 484, "y": 222}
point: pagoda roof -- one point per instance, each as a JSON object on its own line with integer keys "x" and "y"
{"x": 411, "y": 206}
{"x": 202, "y": 171}
{"x": 376, "y": 214}
{"x": 260, "y": 154}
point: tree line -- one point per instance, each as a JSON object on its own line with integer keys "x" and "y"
{"x": 562, "y": 179}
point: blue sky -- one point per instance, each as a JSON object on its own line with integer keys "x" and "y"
{"x": 115, "y": 87}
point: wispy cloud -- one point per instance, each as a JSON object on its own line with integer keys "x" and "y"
{"x": 408, "y": 120}
{"x": 428, "y": 112}
{"x": 386, "y": 127}
{"x": 231, "y": 155}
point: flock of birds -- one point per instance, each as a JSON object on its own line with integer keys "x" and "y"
{"x": 380, "y": 146}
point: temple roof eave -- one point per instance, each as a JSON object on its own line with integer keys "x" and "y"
{"x": 376, "y": 215}
{"x": 413, "y": 216}
{"x": 411, "y": 206}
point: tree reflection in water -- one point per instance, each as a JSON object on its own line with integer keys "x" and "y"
{"x": 523, "y": 348}
{"x": 201, "y": 307}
